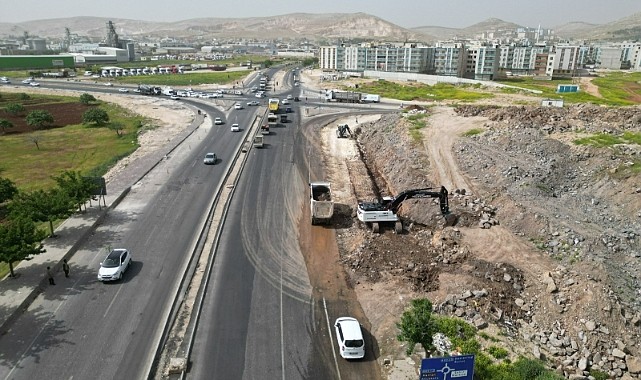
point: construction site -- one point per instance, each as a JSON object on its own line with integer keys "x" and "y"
{"x": 537, "y": 243}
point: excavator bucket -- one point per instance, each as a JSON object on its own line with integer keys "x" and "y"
{"x": 450, "y": 220}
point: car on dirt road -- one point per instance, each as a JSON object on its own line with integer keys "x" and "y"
{"x": 349, "y": 338}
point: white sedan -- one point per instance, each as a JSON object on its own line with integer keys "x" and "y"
{"x": 235, "y": 128}
{"x": 34, "y": 84}
{"x": 123, "y": 90}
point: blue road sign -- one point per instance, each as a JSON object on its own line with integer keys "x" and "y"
{"x": 450, "y": 368}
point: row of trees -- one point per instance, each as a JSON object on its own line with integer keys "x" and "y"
{"x": 20, "y": 235}
{"x": 41, "y": 118}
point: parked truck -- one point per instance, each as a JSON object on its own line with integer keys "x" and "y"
{"x": 350, "y": 97}
{"x": 321, "y": 204}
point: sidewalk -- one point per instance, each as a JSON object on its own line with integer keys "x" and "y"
{"x": 16, "y": 294}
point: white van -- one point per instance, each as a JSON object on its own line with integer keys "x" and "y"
{"x": 349, "y": 337}
{"x": 88, "y": 73}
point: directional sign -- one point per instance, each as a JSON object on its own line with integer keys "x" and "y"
{"x": 450, "y": 368}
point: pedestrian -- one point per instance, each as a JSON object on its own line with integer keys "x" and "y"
{"x": 65, "y": 267}
{"x": 51, "y": 282}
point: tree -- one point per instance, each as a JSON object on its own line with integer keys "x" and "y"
{"x": 118, "y": 127}
{"x": 20, "y": 239}
{"x": 417, "y": 325}
{"x": 14, "y": 108}
{"x": 24, "y": 96}
{"x": 95, "y": 115}
{"x": 87, "y": 98}
{"x": 77, "y": 187}
{"x": 5, "y": 124}
{"x": 8, "y": 190}
{"x": 44, "y": 206}
{"x": 39, "y": 118}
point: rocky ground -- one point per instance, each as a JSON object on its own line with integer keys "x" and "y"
{"x": 545, "y": 254}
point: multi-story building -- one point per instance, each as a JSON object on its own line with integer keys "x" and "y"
{"x": 481, "y": 62}
{"x": 447, "y": 59}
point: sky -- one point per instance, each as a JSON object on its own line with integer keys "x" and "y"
{"x": 404, "y": 13}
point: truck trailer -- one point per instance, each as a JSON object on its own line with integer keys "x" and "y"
{"x": 321, "y": 204}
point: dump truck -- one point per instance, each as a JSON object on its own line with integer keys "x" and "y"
{"x": 321, "y": 204}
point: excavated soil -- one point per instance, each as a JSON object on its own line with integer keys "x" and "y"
{"x": 545, "y": 252}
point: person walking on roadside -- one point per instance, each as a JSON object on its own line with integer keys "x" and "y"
{"x": 65, "y": 267}
{"x": 51, "y": 282}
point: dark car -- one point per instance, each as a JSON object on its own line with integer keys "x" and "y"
{"x": 289, "y": 110}
{"x": 297, "y": 99}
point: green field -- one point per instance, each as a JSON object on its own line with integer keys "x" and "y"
{"x": 89, "y": 150}
{"x": 187, "y": 79}
{"x": 423, "y": 92}
{"x": 616, "y": 89}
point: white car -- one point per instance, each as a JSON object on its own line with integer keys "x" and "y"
{"x": 253, "y": 103}
{"x": 290, "y": 97}
{"x": 238, "y": 106}
{"x": 349, "y": 338}
{"x": 27, "y": 81}
{"x": 235, "y": 128}
{"x": 218, "y": 121}
{"x": 34, "y": 84}
{"x": 123, "y": 90}
{"x": 174, "y": 97}
{"x": 284, "y": 101}
{"x": 210, "y": 159}
{"x": 259, "y": 95}
{"x": 114, "y": 265}
{"x": 109, "y": 84}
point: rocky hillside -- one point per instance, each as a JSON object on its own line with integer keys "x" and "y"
{"x": 326, "y": 26}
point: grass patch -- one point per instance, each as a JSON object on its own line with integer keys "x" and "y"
{"x": 89, "y": 150}
{"x": 497, "y": 352}
{"x": 605, "y": 140}
{"x": 616, "y": 89}
{"x": 423, "y": 92}
{"x": 417, "y": 122}
{"x": 473, "y": 132}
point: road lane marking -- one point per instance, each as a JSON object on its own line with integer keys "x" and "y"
{"x": 331, "y": 339}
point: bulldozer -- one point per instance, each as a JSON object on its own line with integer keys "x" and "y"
{"x": 343, "y": 131}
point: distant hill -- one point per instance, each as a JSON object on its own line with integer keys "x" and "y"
{"x": 625, "y": 29}
{"x": 324, "y": 28}
{"x": 328, "y": 26}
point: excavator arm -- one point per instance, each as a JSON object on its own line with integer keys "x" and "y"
{"x": 422, "y": 193}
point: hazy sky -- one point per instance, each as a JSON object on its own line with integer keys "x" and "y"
{"x": 405, "y": 13}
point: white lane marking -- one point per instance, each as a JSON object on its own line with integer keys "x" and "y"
{"x": 331, "y": 339}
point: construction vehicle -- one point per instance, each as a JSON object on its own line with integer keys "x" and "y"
{"x": 273, "y": 105}
{"x": 258, "y": 141}
{"x": 343, "y": 131}
{"x": 386, "y": 210}
{"x": 321, "y": 204}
